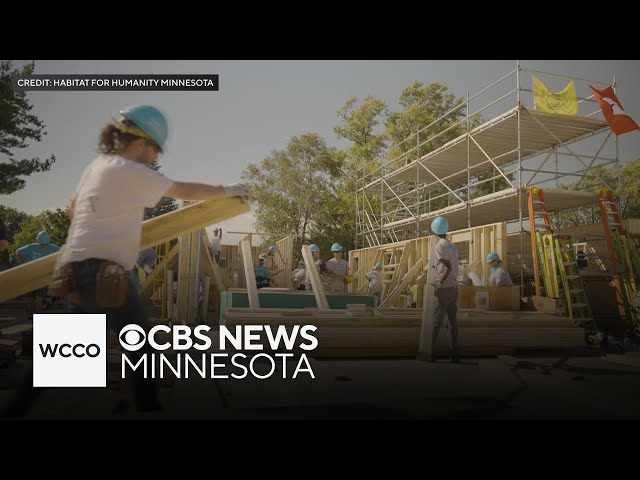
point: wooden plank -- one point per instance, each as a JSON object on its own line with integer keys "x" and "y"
{"x": 249, "y": 272}
{"x": 285, "y": 261}
{"x": 170, "y": 304}
{"x": 210, "y": 264}
{"x": 204, "y": 309}
{"x": 415, "y": 270}
{"x": 184, "y": 279}
{"x": 424, "y": 349}
{"x": 314, "y": 277}
{"x": 38, "y": 273}
{"x": 194, "y": 276}
{"x": 148, "y": 283}
{"x": 400, "y": 270}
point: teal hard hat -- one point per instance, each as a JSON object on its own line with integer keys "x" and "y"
{"x": 440, "y": 226}
{"x": 336, "y": 247}
{"x": 378, "y": 265}
{"x": 493, "y": 256}
{"x": 300, "y": 262}
{"x": 314, "y": 247}
{"x": 272, "y": 249}
{"x": 150, "y": 120}
{"x": 43, "y": 238}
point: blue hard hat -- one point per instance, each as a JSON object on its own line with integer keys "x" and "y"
{"x": 378, "y": 265}
{"x": 272, "y": 249}
{"x": 300, "y": 262}
{"x": 492, "y": 257}
{"x": 150, "y": 120}
{"x": 43, "y": 238}
{"x": 314, "y": 247}
{"x": 440, "y": 226}
{"x": 336, "y": 247}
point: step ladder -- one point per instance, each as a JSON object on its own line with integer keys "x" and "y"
{"x": 622, "y": 260}
{"x": 577, "y": 303}
{"x": 539, "y": 219}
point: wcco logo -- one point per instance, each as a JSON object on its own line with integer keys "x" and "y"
{"x": 69, "y": 350}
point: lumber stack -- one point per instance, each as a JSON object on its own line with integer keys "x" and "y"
{"x": 371, "y": 332}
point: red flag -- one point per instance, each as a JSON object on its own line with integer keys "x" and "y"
{"x": 612, "y": 109}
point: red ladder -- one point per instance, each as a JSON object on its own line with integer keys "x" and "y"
{"x": 538, "y": 255}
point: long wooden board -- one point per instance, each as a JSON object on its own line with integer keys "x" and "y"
{"x": 38, "y": 274}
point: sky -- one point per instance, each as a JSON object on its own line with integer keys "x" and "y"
{"x": 260, "y": 105}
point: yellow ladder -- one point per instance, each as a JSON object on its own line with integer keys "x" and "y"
{"x": 577, "y": 303}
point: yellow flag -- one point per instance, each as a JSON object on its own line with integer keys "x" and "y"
{"x": 564, "y": 102}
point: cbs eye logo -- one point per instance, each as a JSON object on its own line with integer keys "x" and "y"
{"x": 132, "y": 337}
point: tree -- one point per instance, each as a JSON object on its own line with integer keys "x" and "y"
{"x": 12, "y": 220}
{"x": 629, "y": 193}
{"x": 423, "y": 105}
{"x": 357, "y": 123}
{"x": 291, "y": 187}
{"x": 165, "y": 205}
{"x": 17, "y": 125}
{"x": 56, "y": 223}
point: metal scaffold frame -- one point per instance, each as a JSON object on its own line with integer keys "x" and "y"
{"x": 475, "y": 171}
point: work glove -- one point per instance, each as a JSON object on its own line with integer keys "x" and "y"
{"x": 237, "y": 190}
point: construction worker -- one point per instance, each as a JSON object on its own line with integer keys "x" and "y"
{"x": 33, "y": 251}
{"x": 499, "y": 276}
{"x": 445, "y": 288}
{"x": 270, "y": 262}
{"x": 106, "y": 214}
{"x": 337, "y": 269}
{"x": 298, "y": 276}
{"x": 414, "y": 296}
{"x": 262, "y": 272}
{"x": 376, "y": 282}
{"x": 215, "y": 243}
{"x": 145, "y": 263}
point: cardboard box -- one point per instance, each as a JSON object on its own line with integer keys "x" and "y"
{"x": 500, "y": 298}
{"x": 555, "y": 306}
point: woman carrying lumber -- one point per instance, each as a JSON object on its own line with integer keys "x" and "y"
{"x": 106, "y": 211}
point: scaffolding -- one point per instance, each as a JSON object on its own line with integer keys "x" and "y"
{"x": 476, "y": 171}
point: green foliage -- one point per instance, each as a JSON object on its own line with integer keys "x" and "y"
{"x": 291, "y": 187}
{"x": 56, "y": 223}
{"x": 17, "y": 126}
{"x": 423, "y": 105}
{"x": 165, "y": 205}
{"x": 12, "y": 220}
{"x": 629, "y": 193}
{"x": 358, "y": 123}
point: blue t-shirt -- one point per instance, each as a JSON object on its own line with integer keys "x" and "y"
{"x": 33, "y": 251}
{"x": 262, "y": 271}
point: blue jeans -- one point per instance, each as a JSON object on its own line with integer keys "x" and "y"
{"x": 144, "y": 389}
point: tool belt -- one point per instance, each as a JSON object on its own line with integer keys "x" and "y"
{"x": 112, "y": 282}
